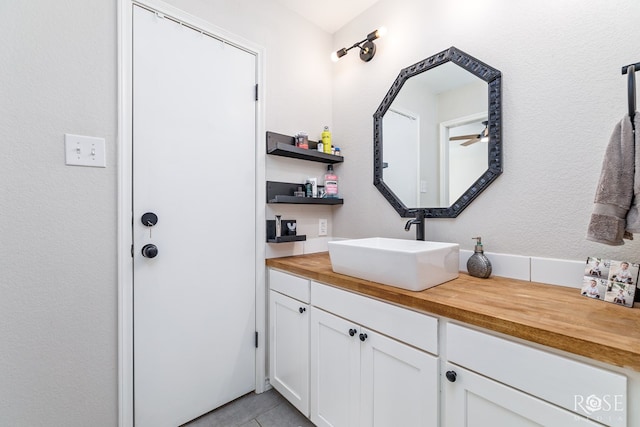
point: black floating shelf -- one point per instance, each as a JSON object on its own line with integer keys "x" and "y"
{"x": 282, "y": 192}
{"x": 306, "y": 200}
{"x": 285, "y": 239}
{"x": 283, "y": 145}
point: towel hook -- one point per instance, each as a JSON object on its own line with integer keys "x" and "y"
{"x": 631, "y": 70}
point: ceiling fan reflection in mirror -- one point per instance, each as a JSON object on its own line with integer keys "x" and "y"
{"x": 472, "y": 139}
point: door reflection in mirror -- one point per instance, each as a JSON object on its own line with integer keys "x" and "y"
{"x": 402, "y": 154}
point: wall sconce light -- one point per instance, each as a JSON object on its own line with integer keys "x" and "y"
{"x": 366, "y": 46}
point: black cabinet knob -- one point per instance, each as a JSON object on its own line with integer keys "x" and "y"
{"x": 451, "y": 376}
{"x": 352, "y": 332}
{"x": 363, "y": 337}
{"x": 302, "y": 310}
{"x": 149, "y": 251}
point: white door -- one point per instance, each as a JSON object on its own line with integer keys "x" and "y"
{"x": 399, "y": 384}
{"x": 335, "y": 370}
{"x": 401, "y": 153}
{"x": 289, "y": 349}
{"x": 193, "y": 167}
{"x": 476, "y": 401}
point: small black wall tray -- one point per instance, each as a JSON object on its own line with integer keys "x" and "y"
{"x": 289, "y": 232}
{"x": 282, "y": 192}
{"x": 286, "y": 239}
{"x": 284, "y": 145}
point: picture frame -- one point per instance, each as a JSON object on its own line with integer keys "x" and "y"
{"x": 610, "y": 281}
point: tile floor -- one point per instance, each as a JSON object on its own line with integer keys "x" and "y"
{"x": 268, "y": 409}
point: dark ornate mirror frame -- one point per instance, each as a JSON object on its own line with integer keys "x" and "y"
{"x": 481, "y": 70}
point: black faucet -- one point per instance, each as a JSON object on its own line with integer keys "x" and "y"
{"x": 419, "y": 222}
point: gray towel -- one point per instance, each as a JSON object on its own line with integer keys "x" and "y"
{"x": 615, "y": 214}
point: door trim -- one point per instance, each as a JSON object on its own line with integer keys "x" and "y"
{"x": 125, "y": 194}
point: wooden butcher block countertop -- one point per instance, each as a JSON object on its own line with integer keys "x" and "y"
{"x": 554, "y": 316}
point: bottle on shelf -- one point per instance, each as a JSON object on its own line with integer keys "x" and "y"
{"x": 326, "y": 140}
{"x": 302, "y": 140}
{"x": 331, "y": 183}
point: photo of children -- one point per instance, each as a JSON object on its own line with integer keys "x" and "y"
{"x": 597, "y": 267}
{"x": 617, "y": 294}
{"x": 623, "y": 274}
{"x": 592, "y": 289}
{"x": 611, "y": 281}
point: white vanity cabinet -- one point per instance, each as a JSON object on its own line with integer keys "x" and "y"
{"x": 362, "y": 374}
{"x": 289, "y": 337}
{"x": 493, "y": 381}
{"x": 344, "y": 359}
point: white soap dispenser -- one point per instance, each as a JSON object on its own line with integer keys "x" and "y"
{"x": 478, "y": 265}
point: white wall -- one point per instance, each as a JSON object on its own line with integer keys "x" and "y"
{"x": 562, "y": 95}
{"x": 58, "y": 290}
{"x": 58, "y": 272}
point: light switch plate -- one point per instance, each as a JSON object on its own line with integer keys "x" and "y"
{"x": 322, "y": 227}
{"x": 84, "y": 151}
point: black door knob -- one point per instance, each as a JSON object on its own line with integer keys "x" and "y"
{"x": 302, "y": 310}
{"x": 352, "y": 332}
{"x": 451, "y": 376}
{"x": 363, "y": 337}
{"x": 149, "y": 251}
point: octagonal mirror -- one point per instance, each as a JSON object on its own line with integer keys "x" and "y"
{"x": 437, "y": 135}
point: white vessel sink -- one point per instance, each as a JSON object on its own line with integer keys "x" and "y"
{"x": 408, "y": 264}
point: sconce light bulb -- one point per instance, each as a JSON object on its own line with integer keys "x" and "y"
{"x": 377, "y": 34}
{"x": 338, "y": 54}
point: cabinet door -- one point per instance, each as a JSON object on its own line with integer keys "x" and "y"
{"x": 476, "y": 401}
{"x": 289, "y": 349}
{"x": 399, "y": 384}
{"x": 589, "y": 391}
{"x": 335, "y": 370}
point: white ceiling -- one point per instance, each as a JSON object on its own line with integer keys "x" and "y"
{"x": 330, "y": 15}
